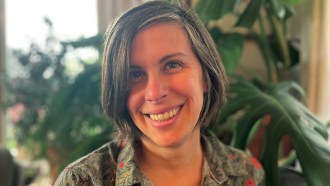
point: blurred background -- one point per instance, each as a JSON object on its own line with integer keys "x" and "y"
{"x": 50, "y": 53}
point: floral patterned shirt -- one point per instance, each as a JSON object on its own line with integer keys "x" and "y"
{"x": 115, "y": 164}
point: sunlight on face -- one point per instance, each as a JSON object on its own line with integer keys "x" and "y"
{"x": 166, "y": 85}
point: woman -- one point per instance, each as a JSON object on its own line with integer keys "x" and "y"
{"x": 163, "y": 84}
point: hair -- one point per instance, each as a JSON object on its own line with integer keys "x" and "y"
{"x": 116, "y": 59}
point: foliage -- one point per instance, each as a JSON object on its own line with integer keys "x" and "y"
{"x": 278, "y": 52}
{"x": 249, "y": 102}
{"x": 44, "y": 72}
{"x": 61, "y": 113}
{"x": 75, "y": 123}
{"x": 288, "y": 117}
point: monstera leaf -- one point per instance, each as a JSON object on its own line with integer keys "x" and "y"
{"x": 288, "y": 117}
{"x": 214, "y": 9}
{"x": 229, "y": 45}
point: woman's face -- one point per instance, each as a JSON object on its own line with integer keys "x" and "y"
{"x": 166, "y": 85}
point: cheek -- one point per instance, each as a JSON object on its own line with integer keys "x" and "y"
{"x": 130, "y": 103}
{"x": 198, "y": 84}
{"x": 193, "y": 88}
{"x": 133, "y": 103}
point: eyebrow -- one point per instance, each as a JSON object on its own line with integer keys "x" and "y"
{"x": 162, "y": 60}
{"x": 165, "y": 58}
{"x": 133, "y": 67}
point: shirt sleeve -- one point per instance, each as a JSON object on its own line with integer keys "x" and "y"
{"x": 256, "y": 173}
{"x": 70, "y": 177}
{"x": 96, "y": 168}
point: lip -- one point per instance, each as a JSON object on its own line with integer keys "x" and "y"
{"x": 166, "y": 123}
{"x": 162, "y": 110}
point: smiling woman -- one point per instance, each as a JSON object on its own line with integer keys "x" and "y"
{"x": 163, "y": 84}
{"x": 171, "y": 82}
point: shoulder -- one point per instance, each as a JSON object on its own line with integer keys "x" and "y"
{"x": 95, "y": 168}
{"x": 237, "y": 164}
{"x": 240, "y": 160}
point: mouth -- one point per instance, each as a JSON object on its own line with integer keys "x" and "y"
{"x": 166, "y": 115}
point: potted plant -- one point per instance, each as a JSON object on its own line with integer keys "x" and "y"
{"x": 274, "y": 102}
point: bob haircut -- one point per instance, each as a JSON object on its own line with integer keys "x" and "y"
{"x": 116, "y": 61}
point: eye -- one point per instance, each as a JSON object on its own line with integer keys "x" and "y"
{"x": 173, "y": 65}
{"x": 135, "y": 74}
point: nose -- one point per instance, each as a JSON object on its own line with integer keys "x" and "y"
{"x": 156, "y": 88}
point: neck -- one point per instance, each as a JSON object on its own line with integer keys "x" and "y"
{"x": 174, "y": 160}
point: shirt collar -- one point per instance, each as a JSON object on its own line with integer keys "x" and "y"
{"x": 128, "y": 171}
{"x": 218, "y": 159}
{"x": 217, "y": 168}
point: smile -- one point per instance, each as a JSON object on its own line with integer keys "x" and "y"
{"x": 164, "y": 116}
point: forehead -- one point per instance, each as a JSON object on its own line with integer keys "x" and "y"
{"x": 166, "y": 30}
{"x": 160, "y": 39}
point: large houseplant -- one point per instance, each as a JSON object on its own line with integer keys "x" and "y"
{"x": 252, "y": 101}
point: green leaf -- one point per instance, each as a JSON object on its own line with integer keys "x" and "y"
{"x": 277, "y": 8}
{"x": 230, "y": 47}
{"x": 288, "y": 117}
{"x": 282, "y": 9}
{"x": 214, "y": 9}
{"x": 289, "y": 12}
{"x": 229, "y": 6}
{"x": 250, "y": 14}
{"x": 74, "y": 117}
{"x": 293, "y": 2}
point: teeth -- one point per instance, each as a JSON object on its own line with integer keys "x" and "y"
{"x": 164, "y": 116}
